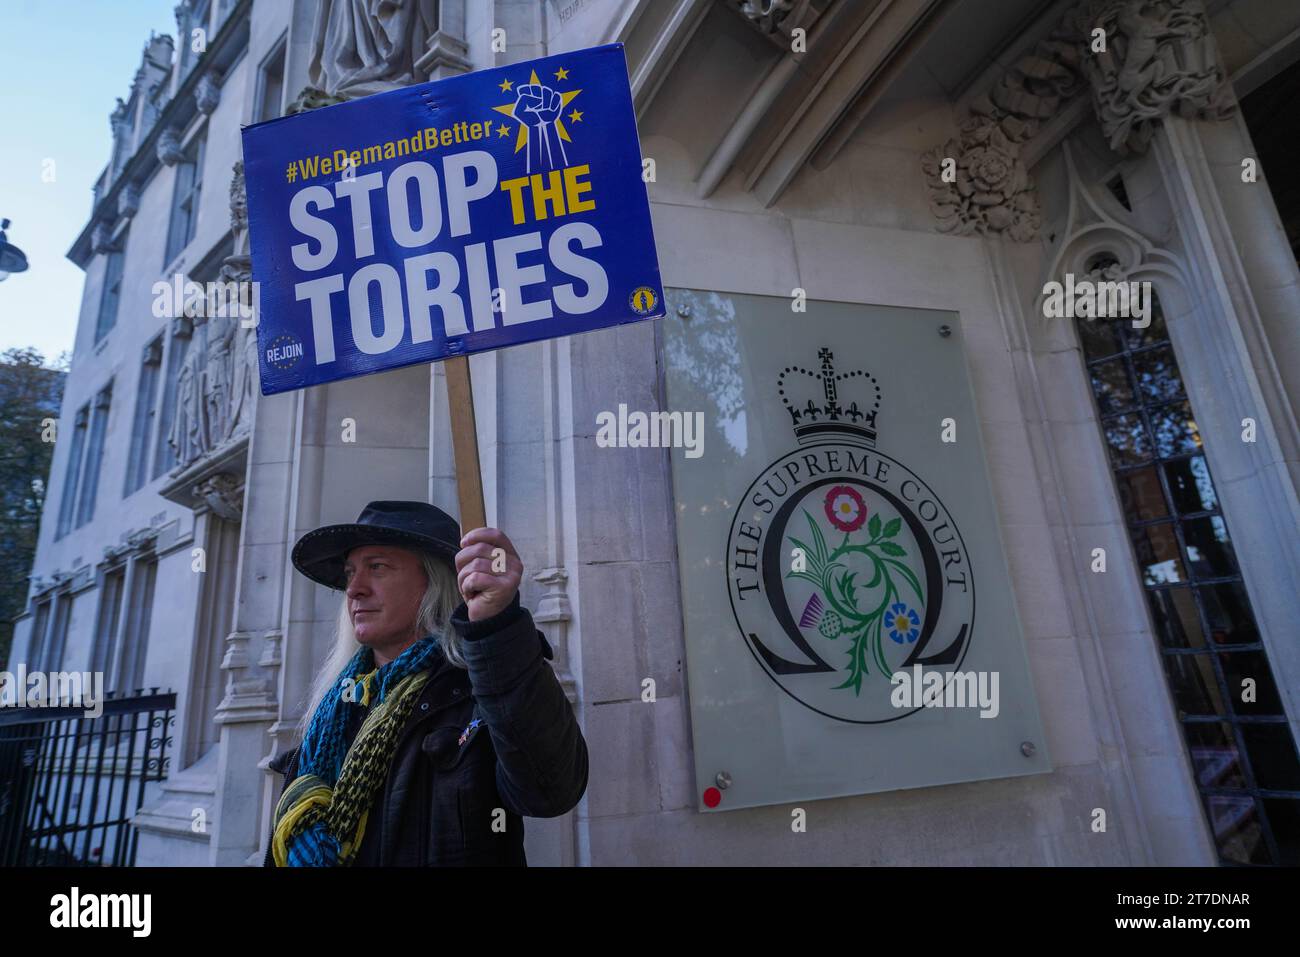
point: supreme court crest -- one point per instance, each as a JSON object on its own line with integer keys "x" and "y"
{"x": 843, "y": 565}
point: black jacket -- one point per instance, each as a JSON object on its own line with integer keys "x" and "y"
{"x": 448, "y": 803}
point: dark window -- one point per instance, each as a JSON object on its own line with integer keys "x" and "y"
{"x": 52, "y": 656}
{"x": 94, "y": 455}
{"x": 185, "y": 200}
{"x": 72, "y": 476}
{"x": 108, "y": 299}
{"x": 36, "y": 645}
{"x": 1241, "y": 746}
{"x": 146, "y": 411}
{"x": 110, "y": 611}
{"x": 128, "y": 675}
{"x": 272, "y": 87}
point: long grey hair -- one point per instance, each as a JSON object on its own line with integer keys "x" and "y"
{"x": 441, "y": 596}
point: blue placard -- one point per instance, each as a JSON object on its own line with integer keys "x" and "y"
{"x": 446, "y": 218}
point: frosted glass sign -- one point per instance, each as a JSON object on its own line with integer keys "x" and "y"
{"x": 849, "y": 619}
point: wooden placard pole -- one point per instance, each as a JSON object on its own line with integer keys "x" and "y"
{"x": 464, "y": 444}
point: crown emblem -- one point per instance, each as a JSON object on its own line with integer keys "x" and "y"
{"x": 814, "y": 400}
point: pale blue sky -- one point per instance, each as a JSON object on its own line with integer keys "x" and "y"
{"x": 63, "y": 63}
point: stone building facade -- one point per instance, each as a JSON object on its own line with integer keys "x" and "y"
{"x": 935, "y": 154}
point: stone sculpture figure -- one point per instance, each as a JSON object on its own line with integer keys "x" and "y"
{"x": 216, "y": 380}
{"x": 361, "y": 47}
{"x": 1162, "y": 60}
{"x": 185, "y": 421}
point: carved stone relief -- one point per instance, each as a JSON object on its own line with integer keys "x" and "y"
{"x": 1159, "y": 58}
{"x": 169, "y": 147}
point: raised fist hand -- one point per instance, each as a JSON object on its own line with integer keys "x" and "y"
{"x": 488, "y": 572}
{"x": 536, "y": 104}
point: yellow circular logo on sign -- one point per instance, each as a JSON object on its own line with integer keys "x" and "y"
{"x": 643, "y": 300}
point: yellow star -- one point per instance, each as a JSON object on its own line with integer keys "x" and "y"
{"x": 561, "y": 74}
{"x": 575, "y": 116}
{"x": 506, "y": 85}
{"x": 503, "y": 130}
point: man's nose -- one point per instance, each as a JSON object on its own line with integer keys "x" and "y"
{"x": 357, "y": 585}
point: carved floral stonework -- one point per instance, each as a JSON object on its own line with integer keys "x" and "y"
{"x": 1159, "y": 58}
{"x": 991, "y": 192}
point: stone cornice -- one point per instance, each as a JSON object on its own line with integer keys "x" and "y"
{"x": 222, "y": 51}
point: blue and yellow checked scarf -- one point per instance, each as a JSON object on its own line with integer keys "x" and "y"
{"x": 321, "y": 817}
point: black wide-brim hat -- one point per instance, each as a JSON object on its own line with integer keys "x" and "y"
{"x": 320, "y": 553}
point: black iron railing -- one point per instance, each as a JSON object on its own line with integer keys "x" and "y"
{"x": 69, "y": 784}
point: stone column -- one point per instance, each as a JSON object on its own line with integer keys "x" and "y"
{"x": 1233, "y": 335}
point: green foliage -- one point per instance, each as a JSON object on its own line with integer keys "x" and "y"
{"x": 864, "y": 627}
{"x": 30, "y": 392}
